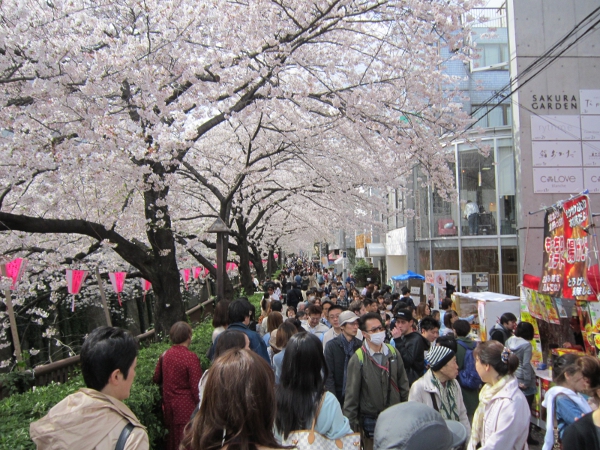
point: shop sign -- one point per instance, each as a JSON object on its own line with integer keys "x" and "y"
{"x": 559, "y": 180}
{"x": 591, "y": 177}
{"x": 566, "y": 250}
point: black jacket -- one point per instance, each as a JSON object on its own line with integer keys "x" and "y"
{"x": 293, "y": 297}
{"x": 500, "y": 333}
{"x": 335, "y": 357}
{"x": 412, "y": 349}
{"x": 581, "y": 435}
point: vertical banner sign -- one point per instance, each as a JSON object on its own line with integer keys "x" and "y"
{"x": 14, "y": 270}
{"x": 117, "y": 279}
{"x": 185, "y": 274}
{"x": 576, "y": 220}
{"x": 75, "y": 280}
{"x": 554, "y": 246}
{"x": 146, "y": 286}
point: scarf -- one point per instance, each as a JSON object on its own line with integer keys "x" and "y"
{"x": 448, "y": 393}
{"x": 485, "y": 396}
{"x": 348, "y": 351}
{"x": 548, "y": 403}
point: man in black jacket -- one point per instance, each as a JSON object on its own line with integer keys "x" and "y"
{"x": 338, "y": 352}
{"x": 294, "y": 296}
{"x": 410, "y": 344}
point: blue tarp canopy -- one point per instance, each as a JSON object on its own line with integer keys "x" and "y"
{"x": 409, "y": 275}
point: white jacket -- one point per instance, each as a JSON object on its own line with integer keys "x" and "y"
{"x": 506, "y": 420}
{"x": 421, "y": 391}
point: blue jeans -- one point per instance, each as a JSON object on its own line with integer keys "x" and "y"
{"x": 473, "y": 224}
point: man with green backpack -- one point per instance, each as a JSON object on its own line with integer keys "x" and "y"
{"x": 376, "y": 379}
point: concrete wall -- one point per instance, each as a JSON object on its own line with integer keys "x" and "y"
{"x": 535, "y": 26}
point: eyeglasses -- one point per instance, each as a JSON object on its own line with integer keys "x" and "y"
{"x": 376, "y": 330}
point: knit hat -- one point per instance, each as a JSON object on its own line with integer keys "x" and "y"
{"x": 438, "y": 357}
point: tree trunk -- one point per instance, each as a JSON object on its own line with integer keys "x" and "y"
{"x": 271, "y": 264}
{"x": 244, "y": 254}
{"x": 258, "y": 265}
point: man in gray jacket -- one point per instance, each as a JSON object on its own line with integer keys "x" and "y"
{"x": 376, "y": 379}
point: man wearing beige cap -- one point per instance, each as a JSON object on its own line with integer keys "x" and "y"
{"x": 338, "y": 352}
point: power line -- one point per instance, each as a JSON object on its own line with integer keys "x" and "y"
{"x": 497, "y": 99}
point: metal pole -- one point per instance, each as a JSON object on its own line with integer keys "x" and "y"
{"x": 11, "y": 318}
{"x": 221, "y": 273}
{"x": 103, "y": 298}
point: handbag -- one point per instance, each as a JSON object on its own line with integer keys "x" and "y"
{"x": 311, "y": 440}
{"x": 557, "y": 442}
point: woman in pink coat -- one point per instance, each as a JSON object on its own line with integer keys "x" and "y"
{"x": 501, "y": 421}
{"x": 178, "y": 371}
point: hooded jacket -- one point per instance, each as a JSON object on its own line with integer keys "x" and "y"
{"x": 523, "y": 350}
{"x": 87, "y": 419}
{"x": 499, "y": 333}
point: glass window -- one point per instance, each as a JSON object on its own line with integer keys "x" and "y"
{"x": 506, "y": 186}
{"x": 424, "y": 259}
{"x": 482, "y": 260}
{"x": 490, "y": 117}
{"x": 492, "y": 54}
{"x": 445, "y": 259}
{"x": 510, "y": 271}
{"x": 477, "y": 191}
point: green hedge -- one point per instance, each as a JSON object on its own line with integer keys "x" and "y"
{"x": 18, "y": 411}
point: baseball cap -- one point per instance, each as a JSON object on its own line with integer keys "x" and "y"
{"x": 347, "y": 317}
{"x": 421, "y": 427}
{"x": 404, "y": 314}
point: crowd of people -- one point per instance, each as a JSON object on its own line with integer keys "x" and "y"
{"x": 365, "y": 366}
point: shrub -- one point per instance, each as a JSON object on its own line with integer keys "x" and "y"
{"x": 19, "y": 410}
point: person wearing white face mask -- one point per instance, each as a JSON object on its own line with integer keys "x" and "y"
{"x": 376, "y": 379}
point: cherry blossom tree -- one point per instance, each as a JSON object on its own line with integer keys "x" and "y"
{"x": 112, "y": 109}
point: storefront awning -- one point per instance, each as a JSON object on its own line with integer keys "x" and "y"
{"x": 375, "y": 250}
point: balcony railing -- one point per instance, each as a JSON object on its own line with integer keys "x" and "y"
{"x": 488, "y": 17}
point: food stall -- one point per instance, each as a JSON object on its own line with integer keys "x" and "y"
{"x": 413, "y": 281}
{"x": 487, "y": 306}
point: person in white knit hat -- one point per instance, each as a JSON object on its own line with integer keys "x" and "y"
{"x": 439, "y": 389}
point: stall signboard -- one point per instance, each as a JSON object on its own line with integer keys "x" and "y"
{"x": 566, "y": 251}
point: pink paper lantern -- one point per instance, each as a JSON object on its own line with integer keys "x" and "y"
{"x": 75, "y": 280}
{"x": 185, "y": 274}
{"x": 14, "y": 270}
{"x": 117, "y": 279}
{"x": 146, "y": 286}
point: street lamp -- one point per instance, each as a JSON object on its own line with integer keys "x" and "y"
{"x": 220, "y": 228}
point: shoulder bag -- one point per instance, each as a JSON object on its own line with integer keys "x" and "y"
{"x": 311, "y": 440}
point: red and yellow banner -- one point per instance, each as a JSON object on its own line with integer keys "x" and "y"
{"x": 566, "y": 250}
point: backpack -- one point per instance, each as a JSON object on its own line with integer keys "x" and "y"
{"x": 304, "y": 284}
{"x": 361, "y": 356}
{"x": 468, "y": 376}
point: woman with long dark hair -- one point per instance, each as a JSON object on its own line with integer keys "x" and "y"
{"x": 238, "y": 408}
{"x": 301, "y": 392}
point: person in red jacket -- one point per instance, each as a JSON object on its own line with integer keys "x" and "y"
{"x": 178, "y": 371}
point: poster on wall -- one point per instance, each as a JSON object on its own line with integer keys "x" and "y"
{"x": 576, "y": 220}
{"x": 565, "y": 254}
{"x": 553, "y": 259}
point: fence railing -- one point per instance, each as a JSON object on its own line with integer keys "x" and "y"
{"x": 60, "y": 371}
{"x": 510, "y": 283}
